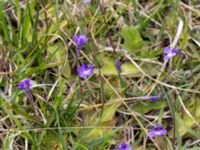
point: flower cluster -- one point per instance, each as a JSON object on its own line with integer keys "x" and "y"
{"x": 86, "y": 70}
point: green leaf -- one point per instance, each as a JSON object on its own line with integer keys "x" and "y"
{"x": 50, "y": 141}
{"x": 99, "y": 142}
{"x": 132, "y": 38}
{"x": 148, "y": 106}
{"x": 57, "y": 53}
{"x": 95, "y": 132}
{"x": 1, "y": 102}
{"x": 108, "y": 66}
{"x": 109, "y": 70}
{"x": 128, "y": 69}
{"x": 26, "y": 25}
{"x": 185, "y": 125}
{"x": 109, "y": 112}
{"x": 8, "y": 141}
{"x": 4, "y": 27}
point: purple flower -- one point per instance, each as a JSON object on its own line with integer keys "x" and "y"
{"x": 124, "y": 146}
{"x": 170, "y": 53}
{"x": 155, "y": 98}
{"x": 157, "y": 131}
{"x": 87, "y": 1}
{"x": 85, "y": 71}
{"x": 25, "y": 85}
{"x": 118, "y": 64}
{"x": 79, "y": 41}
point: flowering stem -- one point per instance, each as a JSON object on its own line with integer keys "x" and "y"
{"x": 110, "y": 39}
{"x": 173, "y": 117}
{"x": 77, "y": 65}
{"x": 158, "y": 77}
{"x": 111, "y": 43}
{"x": 104, "y": 19}
{"x": 30, "y": 97}
{"x": 102, "y": 91}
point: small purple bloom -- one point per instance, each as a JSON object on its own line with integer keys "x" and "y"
{"x": 79, "y": 41}
{"x": 170, "y": 53}
{"x": 25, "y": 85}
{"x": 87, "y": 1}
{"x": 124, "y": 146}
{"x": 118, "y": 64}
{"x": 157, "y": 131}
{"x": 155, "y": 98}
{"x": 85, "y": 71}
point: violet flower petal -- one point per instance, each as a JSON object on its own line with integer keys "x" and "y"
{"x": 153, "y": 99}
{"x": 82, "y": 40}
{"x": 25, "y": 85}
{"x": 79, "y": 41}
{"x": 157, "y": 131}
{"x": 118, "y": 64}
{"x": 170, "y": 53}
{"x": 166, "y": 57}
{"x": 87, "y": 1}
{"x": 124, "y": 146}
{"x": 167, "y": 50}
{"x": 85, "y": 71}
{"x": 151, "y": 134}
{"x": 76, "y": 39}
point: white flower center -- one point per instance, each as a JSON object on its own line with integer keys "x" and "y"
{"x": 171, "y": 54}
{"x": 158, "y": 133}
{"x": 87, "y": 72}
